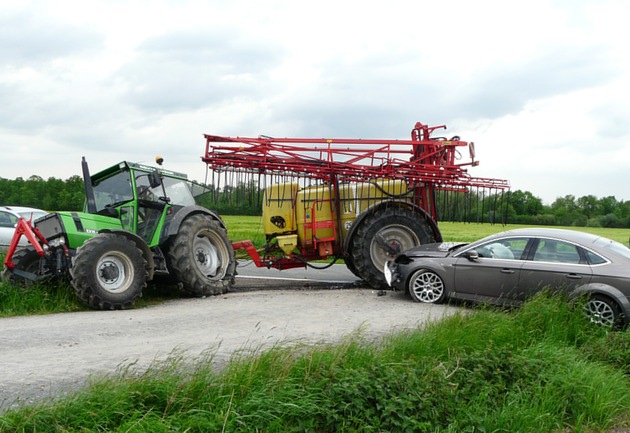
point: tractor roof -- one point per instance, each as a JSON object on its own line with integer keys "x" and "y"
{"x": 136, "y": 166}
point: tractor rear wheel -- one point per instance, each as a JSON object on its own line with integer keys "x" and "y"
{"x": 350, "y": 265}
{"x": 27, "y": 260}
{"x": 381, "y": 236}
{"x": 109, "y": 272}
{"x": 201, "y": 257}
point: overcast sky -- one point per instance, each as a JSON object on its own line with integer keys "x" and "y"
{"x": 541, "y": 87}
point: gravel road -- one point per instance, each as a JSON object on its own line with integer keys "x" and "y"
{"x": 47, "y": 356}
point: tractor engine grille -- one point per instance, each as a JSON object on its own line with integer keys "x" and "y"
{"x": 50, "y": 226}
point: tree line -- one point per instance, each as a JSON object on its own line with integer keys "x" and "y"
{"x": 517, "y": 207}
{"x": 51, "y": 194}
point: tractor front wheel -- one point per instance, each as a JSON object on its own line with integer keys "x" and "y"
{"x": 27, "y": 260}
{"x": 381, "y": 236}
{"x": 109, "y": 272}
{"x": 201, "y": 257}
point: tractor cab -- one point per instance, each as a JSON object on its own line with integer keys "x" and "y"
{"x": 141, "y": 197}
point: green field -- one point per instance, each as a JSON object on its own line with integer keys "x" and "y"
{"x": 251, "y": 227}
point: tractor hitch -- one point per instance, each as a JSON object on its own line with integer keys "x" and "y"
{"x": 34, "y": 236}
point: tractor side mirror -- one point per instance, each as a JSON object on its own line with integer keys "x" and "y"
{"x": 154, "y": 179}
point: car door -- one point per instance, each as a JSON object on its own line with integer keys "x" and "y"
{"x": 554, "y": 264}
{"x": 494, "y": 276}
{"x": 7, "y": 228}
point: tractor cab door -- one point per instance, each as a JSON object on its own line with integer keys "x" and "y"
{"x": 150, "y": 207}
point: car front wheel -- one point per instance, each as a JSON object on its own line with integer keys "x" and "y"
{"x": 427, "y": 287}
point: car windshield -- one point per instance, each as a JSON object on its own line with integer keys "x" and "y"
{"x": 615, "y": 246}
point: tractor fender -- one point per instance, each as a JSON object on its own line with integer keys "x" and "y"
{"x": 378, "y": 206}
{"x": 141, "y": 244}
{"x": 185, "y": 212}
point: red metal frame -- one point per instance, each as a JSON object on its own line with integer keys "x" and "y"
{"x": 421, "y": 159}
{"x": 34, "y": 236}
{"x": 426, "y": 163}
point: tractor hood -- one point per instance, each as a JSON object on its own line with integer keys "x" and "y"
{"x": 76, "y": 226}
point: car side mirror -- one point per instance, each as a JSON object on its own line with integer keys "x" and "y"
{"x": 154, "y": 179}
{"x": 471, "y": 255}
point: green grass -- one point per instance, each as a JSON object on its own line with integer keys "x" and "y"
{"x": 540, "y": 368}
{"x": 469, "y": 232}
{"x": 59, "y": 297}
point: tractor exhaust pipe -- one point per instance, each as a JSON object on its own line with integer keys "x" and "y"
{"x": 89, "y": 191}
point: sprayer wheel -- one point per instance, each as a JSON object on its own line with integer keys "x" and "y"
{"x": 381, "y": 236}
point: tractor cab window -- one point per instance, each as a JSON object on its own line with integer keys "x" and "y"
{"x": 177, "y": 191}
{"x": 113, "y": 191}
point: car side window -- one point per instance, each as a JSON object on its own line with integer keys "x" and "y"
{"x": 551, "y": 250}
{"x": 594, "y": 259}
{"x": 7, "y": 219}
{"x": 510, "y": 249}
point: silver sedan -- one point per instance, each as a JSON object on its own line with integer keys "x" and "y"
{"x": 508, "y": 267}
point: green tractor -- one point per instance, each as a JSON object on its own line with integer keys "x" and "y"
{"x": 139, "y": 223}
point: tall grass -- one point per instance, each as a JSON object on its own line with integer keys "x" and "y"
{"x": 16, "y": 300}
{"x": 539, "y": 368}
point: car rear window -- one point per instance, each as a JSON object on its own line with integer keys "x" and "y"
{"x": 615, "y": 246}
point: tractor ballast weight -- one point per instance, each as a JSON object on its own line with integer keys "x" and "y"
{"x": 139, "y": 223}
{"x": 362, "y": 200}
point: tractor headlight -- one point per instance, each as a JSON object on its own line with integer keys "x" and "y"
{"x": 57, "y": 242}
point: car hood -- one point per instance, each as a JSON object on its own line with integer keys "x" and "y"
{"x": 438, "y": 249}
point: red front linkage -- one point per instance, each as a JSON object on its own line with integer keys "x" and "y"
{"x": 34, "y": 236}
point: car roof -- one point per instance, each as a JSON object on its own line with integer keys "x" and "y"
{"x": 19, "y": 209}
{"x": 570, "y": 235}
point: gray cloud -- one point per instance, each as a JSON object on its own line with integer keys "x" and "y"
{"x": 501, "y": 91}
{"x": 197, "y": 68}
{"x": 26, "y": 38}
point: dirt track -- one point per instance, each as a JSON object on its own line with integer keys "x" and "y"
{"x": 45, "y": 356}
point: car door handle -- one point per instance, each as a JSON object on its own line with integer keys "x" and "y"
{"x": 574, "y": 276}
{"x": 507, "y": 271}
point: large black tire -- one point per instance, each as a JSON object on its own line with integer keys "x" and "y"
{"x": 351, "y": 267}
{"x": 109, "y": 272}
{"x": 25, "y": 259}
{"x": 201, "y": 257}
{"x": 400, "y": 228}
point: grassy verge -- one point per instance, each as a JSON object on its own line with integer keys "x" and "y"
{"x": 59, "y": 297}
{"x": 539, "y": 368}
